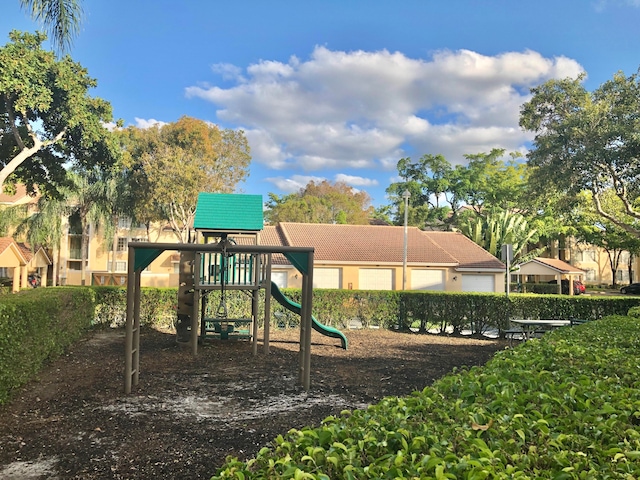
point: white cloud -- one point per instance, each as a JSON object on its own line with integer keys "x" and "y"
{"x": 148, "y": 123}
{"x": 364, "y": 110}
{"x": 355, "y": 181}
{"x": 294, "y": 183}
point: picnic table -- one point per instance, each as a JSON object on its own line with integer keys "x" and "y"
{"x": 528, "y": 328}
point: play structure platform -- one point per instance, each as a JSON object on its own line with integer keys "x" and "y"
{"x": 225, "y": 257}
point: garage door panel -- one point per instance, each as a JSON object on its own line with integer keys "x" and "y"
{"x": 478, "y": 283}
{"x": 280, "y": 279}
{"x": 327, "y": 278}
{"x": 375, "y": 278}
{"x": 427, "y": 280}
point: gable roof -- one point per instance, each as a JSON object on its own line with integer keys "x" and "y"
{"x": 29, "y": 253}
{"x": 20, "y": 197}
{"x": 228, "y": 212}
{"x": 469, "y": 254}
{"x": 553, "y": 265}
{"x": 381, "y": 244}
{"x": 8, "y": 243}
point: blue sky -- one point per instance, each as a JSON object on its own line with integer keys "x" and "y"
{"x": 342, "y": 89}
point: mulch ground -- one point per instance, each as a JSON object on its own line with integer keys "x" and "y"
{"x": 188, "y": 413}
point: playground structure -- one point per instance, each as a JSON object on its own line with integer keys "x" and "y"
{"x": 228, "y": 259}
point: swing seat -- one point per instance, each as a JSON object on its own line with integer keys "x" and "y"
{"x": 222, "y": 328}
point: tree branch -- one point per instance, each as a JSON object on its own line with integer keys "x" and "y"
{"x": 611, "y": 218}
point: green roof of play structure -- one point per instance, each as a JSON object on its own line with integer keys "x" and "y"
{"x": 228, "y": 211}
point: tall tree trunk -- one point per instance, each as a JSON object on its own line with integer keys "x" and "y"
{"x": 114, "y": 247}
{"x": 85, "y": 252}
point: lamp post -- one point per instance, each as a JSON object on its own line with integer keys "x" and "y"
{"x": 405, "y": 197}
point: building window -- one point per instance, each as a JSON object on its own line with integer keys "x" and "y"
{"x": 4, "y": 272}
{"x": 585, "y": 255}
{"x": 622, "y": 275}
{"x": 75, "y": 247}
{"x": 120, "y": 266}
{"x": 591, "y": 275}
{"x": 122, "y": 244}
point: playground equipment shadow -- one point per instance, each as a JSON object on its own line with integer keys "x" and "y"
{"x": 188, "y": 413}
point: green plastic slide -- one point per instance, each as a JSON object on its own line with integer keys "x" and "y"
{"x": 296, "y": 308}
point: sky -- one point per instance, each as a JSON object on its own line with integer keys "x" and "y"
{"x": 340, "y": 90}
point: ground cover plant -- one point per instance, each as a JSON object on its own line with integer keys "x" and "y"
{"x": 564, "y": 406}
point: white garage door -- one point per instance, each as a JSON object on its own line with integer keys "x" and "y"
{"x": 427, "y": 280}
{"x": 478, "y": 283}
{"x": 280, "y": 279}
{"x": 375, "y": 279}
{"x": 326, "y": 278}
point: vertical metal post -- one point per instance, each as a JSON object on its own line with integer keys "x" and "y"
{"x": 128, "y": 343}
{"x": 255, "y": 298}
{"x": 195, "y": 312}
{"x": 305, "y": 324}
{"x": 137, "y": 274}
{"x": 405, "y": 196}
{"x": 267, "y": 304}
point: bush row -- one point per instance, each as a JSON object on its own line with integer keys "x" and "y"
{"x": 417, "y": 310}
{"x": 40, "y": 323}
{"x": 564, "y": 407}
{"x": 36, "y": 325}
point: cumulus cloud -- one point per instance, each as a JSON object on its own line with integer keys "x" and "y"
{"x": 148, "y": 123}
{"x": 364, "y": 110}
{"x": 355, "y": 181}
{"x": 294, "y": 183}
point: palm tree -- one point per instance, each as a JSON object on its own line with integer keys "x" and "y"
{"x": 91, "y": 203}
{"x": 61, "y": 19}
{"x": 45, "y": 228}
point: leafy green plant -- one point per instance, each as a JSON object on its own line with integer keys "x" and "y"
{"x": 566, "y": 406}
{"x": 36, "y": 325}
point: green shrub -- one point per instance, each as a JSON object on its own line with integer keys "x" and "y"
{"x": 36, "y": 325}
{"x": 566, "y": 407}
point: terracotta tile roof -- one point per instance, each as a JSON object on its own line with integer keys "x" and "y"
{"x": 5, "y": 242}
{"x": 8, "y": 242}
{"x": 19, "y": 197}
{"x": 27, "y": 251}
{"x": 559, "y": 265}
{"x": 271, "y": 235}
{"x": 380, "y": 244}
{"x": 470, "y": 255}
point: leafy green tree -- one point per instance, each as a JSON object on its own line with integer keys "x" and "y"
{"x": 438, "y": 189}
{"x": 322, "y": 202}
{"x": 170, "y": 165}
{"x": 47, "y": 119}
{"x": 493, "y": 231}
{"x": 61, "y": 18}
{"x": 44, "y": 227}
{"x": 588, "y": 141}
{"x": 88, "y": 200}
{"x": 592, "y": 228}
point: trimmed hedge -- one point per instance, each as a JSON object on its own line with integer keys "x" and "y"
{"x": 38, "y": 324}
{"x": 564, "y": 407}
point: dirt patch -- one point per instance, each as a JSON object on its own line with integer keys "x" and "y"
{"x": 188, "y": 413}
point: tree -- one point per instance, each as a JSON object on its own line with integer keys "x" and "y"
{"x": 438, "y": 189}
{"x": 44, "y": 227}
{"x": 591, "y": 228}
{"x": 588, "y": 142}
{"x": 47, "y": 119}
{"x": 61, "y": 18}
{"x": 493, "y": 231}
{"x": 88, "y": 200}
{"x": 322, "y": 202}
{"x": 170, "y": 165}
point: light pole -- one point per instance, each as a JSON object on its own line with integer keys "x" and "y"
{"x": 405, "y": 197}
